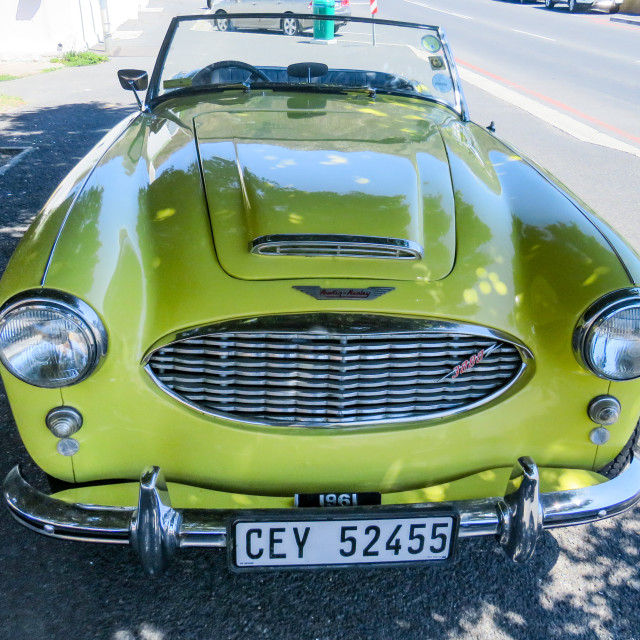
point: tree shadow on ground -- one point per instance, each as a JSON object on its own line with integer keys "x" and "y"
{"x": 59, "y": 137}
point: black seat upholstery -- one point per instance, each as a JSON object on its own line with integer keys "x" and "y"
{"x": 339, "y": 77}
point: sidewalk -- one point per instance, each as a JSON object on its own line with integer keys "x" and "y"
{"x": 134, "y": 45}
{"x": 70, "y": 85}
{"x": 26, "y": 68}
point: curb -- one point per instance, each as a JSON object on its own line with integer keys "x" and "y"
{"x": 626, "y": 19}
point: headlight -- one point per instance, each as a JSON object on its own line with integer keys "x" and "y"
{"x": 608, "y": 337}
{"x": 50, "y": 340}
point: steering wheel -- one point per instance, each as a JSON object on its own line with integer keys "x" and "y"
{"x": 204, "y": 75}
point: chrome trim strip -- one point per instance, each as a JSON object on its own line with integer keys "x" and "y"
{"x": 461, "y": 101}
{"x": 345, "y": 323}
{"x": 337, "y": 246}
{"x": 523, "y": 511}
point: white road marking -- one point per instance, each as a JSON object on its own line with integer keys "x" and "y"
{"x": 449, "y": 13}
{"x": 553, "y": 117}
{"x": 533, "y": 35}
{"x": 368, "y": 42}
{"x": 126, "y": 35}
{"x": 152, "y": 10}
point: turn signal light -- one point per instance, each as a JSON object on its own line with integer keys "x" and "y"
{"x": 604, "y": 410}
{"x": 63, "y": 422}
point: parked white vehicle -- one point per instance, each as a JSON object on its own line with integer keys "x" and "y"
{"x": 289, "y": 26}
{"x": 576, "y": 6}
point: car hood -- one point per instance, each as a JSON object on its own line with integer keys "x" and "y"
{"x": 308, "y": 175}
{"x": 143, "y": 254}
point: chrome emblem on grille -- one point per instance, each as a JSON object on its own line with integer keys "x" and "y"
{"x": 471, "y": 362}
{"x": 320, "y": 293}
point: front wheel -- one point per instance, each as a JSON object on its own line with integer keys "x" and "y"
{"x": 290, "y": 26}
{"x": 549, "y": 4}
{"x": 222, "y": 23}
{"x": 575, "y": 7}
{"x": 621, "y": 461}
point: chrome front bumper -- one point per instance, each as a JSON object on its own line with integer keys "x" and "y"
{"x": 156, "y": 530}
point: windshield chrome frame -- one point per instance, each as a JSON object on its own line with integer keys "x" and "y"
{"x": 153, "y": 94}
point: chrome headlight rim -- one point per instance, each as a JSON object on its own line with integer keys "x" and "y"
{"x": 75, "y": 309}
{"x": 598, "y": 313}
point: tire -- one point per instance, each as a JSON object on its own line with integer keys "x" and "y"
{"x": 614, "y": 8}
{"x": 223, "y": 24}
{"x": 290, "y": 26}
{"x": 620, "y": 462}
{"x": 549, "y": 4}
{"x": 576, "y": 7}
{"x": 209, "y": 3}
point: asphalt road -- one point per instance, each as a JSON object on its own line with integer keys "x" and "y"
{"x": 583, "y": 582}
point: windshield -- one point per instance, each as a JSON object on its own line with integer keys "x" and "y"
{"x": 294, "y": 51}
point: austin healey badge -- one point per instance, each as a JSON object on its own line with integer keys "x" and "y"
{"x": 320, "y": 293}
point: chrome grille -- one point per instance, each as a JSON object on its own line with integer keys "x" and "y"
{"x": 318, "y": 377}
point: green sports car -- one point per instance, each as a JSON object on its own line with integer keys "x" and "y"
{"x": 300, "y": 306}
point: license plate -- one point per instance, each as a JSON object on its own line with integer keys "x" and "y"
{"x": 315, "y": 542}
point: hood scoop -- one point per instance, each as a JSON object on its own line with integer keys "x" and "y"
{"x": 290, "y": 201}
{"x": 336, "y": 246}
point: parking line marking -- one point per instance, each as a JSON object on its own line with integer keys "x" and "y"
{"x": 551, "y": 116}
{"x": 449, "y": 13}
{"x": 126, "y": 35}
{"x": 23, "y": 151}
{"x": 533, "y": 35}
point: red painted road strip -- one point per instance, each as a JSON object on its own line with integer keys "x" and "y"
{"x": 555, "y": 103}
{"x": 599, "y": 20}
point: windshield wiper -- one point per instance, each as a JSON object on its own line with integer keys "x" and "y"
{"x": 243, "y": 86}
{"x": 315, "y": 88}
{"x": 332, "y": 88}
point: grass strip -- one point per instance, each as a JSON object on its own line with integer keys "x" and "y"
{"x": 80, "y": 58}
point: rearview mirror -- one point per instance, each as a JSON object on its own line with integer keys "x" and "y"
{"x": 133, "y": 79}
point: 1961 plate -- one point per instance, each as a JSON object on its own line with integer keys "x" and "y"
{"x": 312, "y": 542}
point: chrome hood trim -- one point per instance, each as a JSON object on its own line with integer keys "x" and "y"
{"x": 336, "y": 246}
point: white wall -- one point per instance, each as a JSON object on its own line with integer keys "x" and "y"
{"x": 33, "y": 28}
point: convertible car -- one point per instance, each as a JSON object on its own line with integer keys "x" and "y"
{"x": 300, "y": 306}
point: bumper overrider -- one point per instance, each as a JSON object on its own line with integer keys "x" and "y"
{"x": 156, "y": 530}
